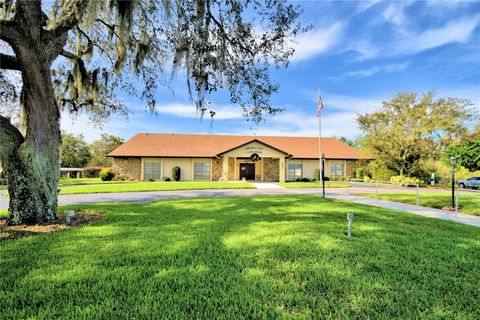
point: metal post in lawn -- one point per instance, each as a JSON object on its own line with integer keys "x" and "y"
{"x": 456, "y": 201}
{"x": 323, "y": 175}
{"x": 417, "y": 195}
{"x": 453, "y": 161}
{"x": 350, "y": 224}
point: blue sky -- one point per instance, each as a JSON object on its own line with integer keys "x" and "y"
{"x": 359, "y": 53}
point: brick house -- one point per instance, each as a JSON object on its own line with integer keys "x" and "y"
{"x": 151, "y": 156}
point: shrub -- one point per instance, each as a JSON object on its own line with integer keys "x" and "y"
{"x": 379, "y": 171}
{"x": 305, "y": 180}
{"x": 165, "y": 179}
{"x": 366, "y": 179}
{"x": 176, "y": 173}
{"x": 359, "y": 173}
{"x": 106, "y": 174}
{"x": 405, "y": 181}
{"x": 91, "y": 172}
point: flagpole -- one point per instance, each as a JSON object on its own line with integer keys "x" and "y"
{"x": 320, "y": 142}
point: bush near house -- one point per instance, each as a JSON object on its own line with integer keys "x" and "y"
{"x": 92, "y": 172}
{"x": 176, "y": 173}
{"x": 107, "y": 174}
{"x": 359, "y": 173}
{"x": 405, "y": 181}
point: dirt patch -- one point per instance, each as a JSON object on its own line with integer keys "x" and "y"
{"x": 81, "y": 218}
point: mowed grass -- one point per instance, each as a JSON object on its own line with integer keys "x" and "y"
{"x": 244, "y": 257}
{"x": 82, "y": 181}
{"x": 154, "y": 186}
{"x": 314, "y": 184}
{"x": 469, "y": 202}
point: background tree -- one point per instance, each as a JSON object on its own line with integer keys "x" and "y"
{"x": 409, "y": 129}
{"x": 73, "y": 54}
{"x": 75, "y": 152}
{"x": 467, "y": 152}
{"x": 100, "y": 148}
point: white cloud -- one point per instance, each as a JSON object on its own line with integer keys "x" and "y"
{"x": 365, "y": 5}
{"x": 363, "y": 73}
{"x": 457, "y": 31}
{"x": 394, "y": 13}
{"x": 189, "y": 111}
{"x": 317, "y": 41}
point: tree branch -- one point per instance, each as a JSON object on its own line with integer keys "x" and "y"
{"x": 8, "y": 31}
{"x": 9, "y": 62}
{"x": 10, "y": 138}
{"x": 73, "y": 12}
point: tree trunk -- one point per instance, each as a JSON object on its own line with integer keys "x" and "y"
{"x": 31, "y": 163}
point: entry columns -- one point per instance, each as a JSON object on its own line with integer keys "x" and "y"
{"x": 225, "y": 169}
{"x": 281, "y": 167}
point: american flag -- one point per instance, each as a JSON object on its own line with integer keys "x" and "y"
{"x": 320, "y": 104}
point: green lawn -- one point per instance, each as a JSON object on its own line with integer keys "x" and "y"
{"x": 155, "y": 186}
{"x": 80, "y": 181}
{"x": 314, "y": 184}
{"x": 470, "y": 204}
{"x": 244, "y": 257}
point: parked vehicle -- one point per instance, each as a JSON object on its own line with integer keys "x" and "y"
{"x": 472, "y": 182}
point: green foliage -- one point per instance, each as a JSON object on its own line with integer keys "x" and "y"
{"x": 405, "y": 181}
{"x": 466, "y": 152}
{"x": 359, "y": 173}
{"x": 92, "y": 172}
{"x": 176, "y": 173}
{"x": 282, "y": 257}
{"x": 100, "y": 148}
{"x": 366, "y": 179}
{"x": 409, "y": 129}
{"x": 74, "y": 152}
{"x": 107, "y": 174}
{"x": 379, "y": 171}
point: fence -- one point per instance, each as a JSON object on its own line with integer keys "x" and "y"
{"x": 380, "y": 186}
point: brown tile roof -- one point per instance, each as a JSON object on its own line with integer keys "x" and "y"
{"x": 207, "y": 146}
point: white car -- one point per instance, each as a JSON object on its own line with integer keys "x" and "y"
{"x": 472, "y": 182}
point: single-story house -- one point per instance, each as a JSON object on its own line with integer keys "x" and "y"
{"x": 152, "y": 156}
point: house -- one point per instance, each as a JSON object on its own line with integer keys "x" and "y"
{"x": 151, "y": 156}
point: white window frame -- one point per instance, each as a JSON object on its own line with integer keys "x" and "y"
{"x": 296, "y": 172}
{"x": 336, "y": 168}
{"x": 206, "y": 170}
{"x": 155, "y": 167}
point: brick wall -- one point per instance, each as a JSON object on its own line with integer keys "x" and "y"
{"x": 217, "y": 169}
{"x": 270, "y": 169}
{"x": 131, "y": 168}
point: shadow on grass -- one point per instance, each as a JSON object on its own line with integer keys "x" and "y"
{"x": 251, "y": 257}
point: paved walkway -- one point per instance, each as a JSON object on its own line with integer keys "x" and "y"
{"x": 337, "y": 193}
{"x": 418, "y": 210}
{"x": 266, "y": 185}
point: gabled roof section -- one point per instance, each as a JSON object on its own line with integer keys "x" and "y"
{"x": 209, "y": 146}
{"x": 251, "y": 141}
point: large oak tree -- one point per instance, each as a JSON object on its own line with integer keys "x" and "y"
{"x": 74, "y": 55}
{"x": 410, "y": 128}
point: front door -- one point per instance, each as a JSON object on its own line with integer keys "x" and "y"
{"x": 247, "y": 171}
